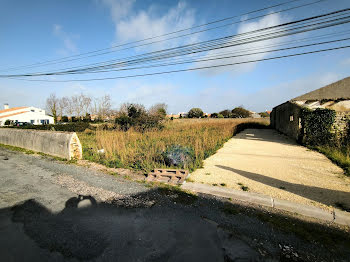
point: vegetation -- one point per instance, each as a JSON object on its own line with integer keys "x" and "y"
{"x": 71, "y": 127}
{"x": 136, "y": 116}
{"x": 148, "y": 149}
{"x": 264, "y": 114}
{"x": 195, "y": 113}
{"x": 318, "y": 135}
{"x": 317, "y": 126}
{"x": 240, "y": 112}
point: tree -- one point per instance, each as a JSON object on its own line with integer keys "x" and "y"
{"x": 214, "y": 115}
{"x": 158, "y": 110}
{"x": 195, "y": 113}
{"x": 52, "y": 105}
{"x": 62, "y": 106}
{"x": 226, "y": 113}
{"x": 264, "y": 114}
{"x": 101, "y": 106}
{"x": 240, "y": 112}
{"x": 7, "y": 122}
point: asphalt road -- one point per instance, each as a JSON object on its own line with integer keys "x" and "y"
{"x": 54, "y": 211}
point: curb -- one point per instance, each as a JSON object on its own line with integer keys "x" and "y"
{"x": 336, "y": 216}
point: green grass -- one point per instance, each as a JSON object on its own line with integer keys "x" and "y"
{"x": 339, "y": 156}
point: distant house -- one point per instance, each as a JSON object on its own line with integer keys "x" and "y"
{"x": 33, "y": 115}
{"x": 287, "y": 117}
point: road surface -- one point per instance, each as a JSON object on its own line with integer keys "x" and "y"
{"x": 53, "y": 211}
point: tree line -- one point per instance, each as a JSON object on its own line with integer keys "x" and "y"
{"x": 78, "y": 106}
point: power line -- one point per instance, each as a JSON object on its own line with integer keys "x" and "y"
{"x": 61, "y": 60}
{"x": 228, "y": 44}
{"x": 190, "y": 69}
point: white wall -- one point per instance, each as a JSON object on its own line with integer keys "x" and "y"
{"x": 35, "y": 117}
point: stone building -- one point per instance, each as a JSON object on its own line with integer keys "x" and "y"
{"x": 287, "y": 117}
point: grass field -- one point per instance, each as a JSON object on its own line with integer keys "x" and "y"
{"x": 143, "y": 151}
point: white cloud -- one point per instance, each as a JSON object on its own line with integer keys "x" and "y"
{"x": 119, "y": 8}
{"x": 267, "y": 21}
{"x": 132, "y": 26}
{"x": 67, "y": 39}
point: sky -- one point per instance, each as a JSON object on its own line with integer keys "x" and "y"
{"x": 42, "y": 30}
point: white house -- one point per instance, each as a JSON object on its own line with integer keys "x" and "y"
{"x": 33, "y": 115}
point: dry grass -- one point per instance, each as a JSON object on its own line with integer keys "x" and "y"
{"x": 143, "y": 151}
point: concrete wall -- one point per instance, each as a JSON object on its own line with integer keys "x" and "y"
{"x": 285, "y": 118}
{"x": 62, "y": 144}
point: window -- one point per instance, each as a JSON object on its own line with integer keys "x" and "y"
{"x": 291, "y": 118}
{"x": 32, "y": 121}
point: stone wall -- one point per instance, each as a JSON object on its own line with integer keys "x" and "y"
{"x": 341, "y": 124}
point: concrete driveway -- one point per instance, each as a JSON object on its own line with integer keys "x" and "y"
{"x": 266, "y": 162}
{"x": 52, "y": 211}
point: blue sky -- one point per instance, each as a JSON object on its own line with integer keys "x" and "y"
{"x": 40, "y": 30}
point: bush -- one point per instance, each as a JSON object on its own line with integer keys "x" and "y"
{"x": 240, "y": 112}
{"x": 226, "y": 113}
{"x": 64, "y": 119}
{"x": 7, "y": 122}
{"x": 317, "y": 126}
{"x": 72, "y": 127}
{"x": 264, "y": 114}
{"x": 195, "y": 113}
{"x": 214, "y": 115}
{"x": 136, "y": 116}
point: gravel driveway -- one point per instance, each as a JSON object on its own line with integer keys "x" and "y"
{"x": 54, "y": 211}
{"x": 264, "y": 161}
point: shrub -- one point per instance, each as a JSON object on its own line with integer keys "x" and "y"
{"x": 64, "y": 119}
{"x": 220, "y": 116}
{"x": 214, "y": 115}
{"x": 72, "y": 127}
{"x": 317, "y": 126}
{"x": 135, "y": 115}
{"x": 240, "y": 112}
{"x": 264, "y": 114}
{"x": 226, "y": 113}
{"x": 7, "y": 122}
{"x": 195, "y": 113}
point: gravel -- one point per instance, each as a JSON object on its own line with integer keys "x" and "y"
{"x": 264, "y": 161}
{"x": 53, "y": 211}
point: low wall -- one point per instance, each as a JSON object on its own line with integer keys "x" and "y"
{"x": 61, "y": 144}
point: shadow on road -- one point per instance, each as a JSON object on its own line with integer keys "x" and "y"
{"x": 322, "y": 195}
{"x": 176, "y": 227}
{"x": 268, "y": 135}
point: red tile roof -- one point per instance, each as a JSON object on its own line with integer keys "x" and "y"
{"x": 12, "y": 109}
{"x": 13, "y": 114}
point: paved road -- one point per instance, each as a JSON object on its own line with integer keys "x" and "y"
{"x": 267, "y": 162}
{"x": 52, "y": 211}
